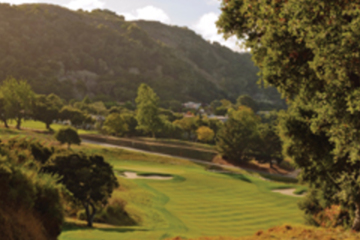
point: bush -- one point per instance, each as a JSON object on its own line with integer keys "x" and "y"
{"x": 35, "y": 195}
{"x": 113, "y": 213}
{"x": 205, "y": 134}
{"x": 319, "y": 211}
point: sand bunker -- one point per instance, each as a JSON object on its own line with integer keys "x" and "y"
{"x": 133, "y": 175}
{"x": 289, "y": 192}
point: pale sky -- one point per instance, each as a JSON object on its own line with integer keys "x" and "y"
{"x": 198, "y": 15}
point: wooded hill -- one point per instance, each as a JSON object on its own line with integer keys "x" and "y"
{"x": 99, "y": 54}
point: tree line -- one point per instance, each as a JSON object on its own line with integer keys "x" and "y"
{"x": 243, "y": 136}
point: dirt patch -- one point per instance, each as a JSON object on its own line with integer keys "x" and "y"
{"x": 133, "y": 175}
{"x": 288, "y": 191}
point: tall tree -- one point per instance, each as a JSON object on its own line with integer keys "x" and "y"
{"x": 309, "y": 50}
{"x": 239, "y": 134}
{"x": 147, "y": 114}
{"x": 18, "y": 99}
{"x": 46, "y": 108}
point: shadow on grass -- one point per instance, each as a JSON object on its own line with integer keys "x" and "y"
{"x": 279, "y": 178}
{"x": 238, "y": 177}
{"x": 67, "y": 227}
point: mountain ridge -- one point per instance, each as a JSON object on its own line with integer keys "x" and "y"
{"x": 98, "y": 53}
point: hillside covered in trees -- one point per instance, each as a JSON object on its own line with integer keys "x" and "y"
{"x": 99, "y": 54}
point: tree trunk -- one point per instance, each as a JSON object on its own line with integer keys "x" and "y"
{"x": 69, "y": 145}
{"x": 47, "y": 126}
{"x": 18, "y": 123}
{"x": 5, "y": 123}
{"x": 90, "y": 216}
{"x": 356, "y": 223}
{"x": 153, "y": 134}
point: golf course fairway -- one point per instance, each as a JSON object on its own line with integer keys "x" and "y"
{"x": 194, "y": 203}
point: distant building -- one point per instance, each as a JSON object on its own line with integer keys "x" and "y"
{"x": 221, "y": 118}
{"x": 192, "y": 105}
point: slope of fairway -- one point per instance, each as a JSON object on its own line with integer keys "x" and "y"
{"x": 197, "y": 203}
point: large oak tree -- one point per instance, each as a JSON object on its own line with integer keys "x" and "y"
{"x": 309, "y": 50}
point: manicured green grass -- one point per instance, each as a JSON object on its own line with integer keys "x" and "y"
{"x": 194, "y": 203}
{"x": 200, "y": 203}
{"x": 179, "y": 142}
{"x": 36, "y": 125}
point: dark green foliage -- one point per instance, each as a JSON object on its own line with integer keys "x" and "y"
{"x": 170, "y": 130}
{"x": 221, "y": 111}
{"x": 215, "y": 104}
{"x": 238, "y": 138}
{"x": 68, "y": 135}
{"x": 269, "y": 145}
{"x": 170, "y": 115}
{"x": 39, "y": 152}
{"x": 309, "y": 51}
{"x": 46, "y": 108}
{"x": 214, "y": 125}
{"x": 90, "y": 179}
{"x": 247, "y": 101}
{"x": 115, "y": 124}
{"x": 113, "y": 213}
{"x": 187, "y": 124}
{"x": 76, "y": 116}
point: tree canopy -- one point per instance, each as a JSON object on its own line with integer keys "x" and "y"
{"x": 17, "y": 100}
{"x": 239, "y": 134}
{"x": 46, "y": 108}
{"x": 68, "y": 135}
{"x": 115, "y": 124}
{"x": 309, "y": 50}
{"x": 147, "y": 114}
{"x": 90, "y": 179}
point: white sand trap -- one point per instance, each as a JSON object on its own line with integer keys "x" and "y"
{"x": 133, "y": 175}
{"x": 288, "y": 191}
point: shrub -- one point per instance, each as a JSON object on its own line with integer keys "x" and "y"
{"x": 37, "y": 196}
{"x": 205, "y": 134}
